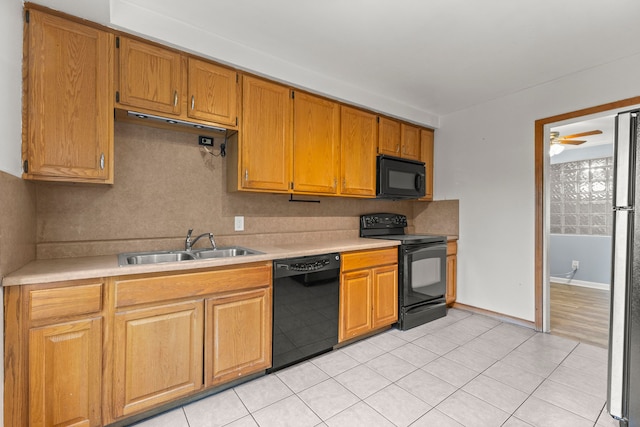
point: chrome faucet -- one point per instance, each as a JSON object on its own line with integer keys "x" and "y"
{"x": 188, "y": 243}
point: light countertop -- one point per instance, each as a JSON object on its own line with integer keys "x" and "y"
{"x": 64, "y": 269}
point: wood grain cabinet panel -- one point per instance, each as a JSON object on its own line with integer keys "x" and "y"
{"x": 358, "y": 138}
{"x": 212, "y": 92}
{"x": 389, "y": 139}
{"x": 426, "y": 146}
{"x": 238, "y": 335}
{"x": 410, "y": 137}
{"x": 316, "y": 133}
{"x": 265, "y": 138}
{"x": 150, "y": 77}
{"x": 452, "y": 266}
{"x": 65, "y": 374}
{"x": 157, "y": 355}
{"x": 368, "y": 292}
{"x": 68, "y": 114}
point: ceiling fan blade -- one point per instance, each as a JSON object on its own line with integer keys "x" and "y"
{"x": 570, "y": 141}
{"x": 578, "y": 135}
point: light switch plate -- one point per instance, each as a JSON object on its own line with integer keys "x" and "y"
{"x": 239, "y": 223}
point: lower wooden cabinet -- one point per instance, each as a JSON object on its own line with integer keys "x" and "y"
{"x": 65, "y": 374}
{"x": 452, "y": 265}
{"x": 157, "y": 355}
{"x": 238, "y": 335}
{"x": 94, "y": 352}
{"x": 368, "y": 292}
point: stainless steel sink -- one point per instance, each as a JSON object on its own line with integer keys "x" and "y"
{"x": 224, "y": 252}
{"x": 157, "y": 257}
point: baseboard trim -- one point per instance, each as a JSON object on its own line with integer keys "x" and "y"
{"x": 583, "y": 283}
{"x": 499, "y": 316}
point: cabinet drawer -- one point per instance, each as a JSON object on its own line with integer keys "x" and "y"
{"x": 65, "y": 301}
{"x": 366, "y": 259}
{"x": 134, "y": 290}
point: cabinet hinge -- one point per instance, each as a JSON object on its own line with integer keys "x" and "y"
{"x": 237, "y": 78}
{"x": 293, "y": 94}
{"x": 117, "y": 42}
{"x": 291, "y": 185}
{"x": 26, "y": 16}
{"x": 378, "y": 119}
{"x": 117, "y": 96}
{"x": 25, "y": 166}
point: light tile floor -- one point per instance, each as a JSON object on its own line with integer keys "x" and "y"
{"x": 462, "y": 370}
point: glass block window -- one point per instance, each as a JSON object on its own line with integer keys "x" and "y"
{"x": 581, "y": 197}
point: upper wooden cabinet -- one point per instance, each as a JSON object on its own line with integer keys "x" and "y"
{"x": 316, "y": 133}
{"x": 389, "y": 141}
{"x": 426, "y": 143}
{"x": 68, "y": 112}
{"x": 150, "y": 77}
{"x": 265, "y": 139}
{"x": 410, "y": 136}
{"x": 212, "y": 93}
{"x": 358, "y": 136}
{"x": 155, "y": 80}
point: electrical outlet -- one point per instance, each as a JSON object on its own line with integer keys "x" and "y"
{"x": 239, "y": 223}
{"x": 575, "y": 265}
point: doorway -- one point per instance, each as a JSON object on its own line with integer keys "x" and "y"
{"x": 542, "y": 226}
{"x": 580, "y": 176}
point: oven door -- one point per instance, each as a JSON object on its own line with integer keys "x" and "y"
{"x": 423, "y": 273}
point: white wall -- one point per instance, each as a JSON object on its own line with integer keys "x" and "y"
{"x": 484, "y": 157}
{"x": 593, "y": 253}
{"x": 11, "y": 86}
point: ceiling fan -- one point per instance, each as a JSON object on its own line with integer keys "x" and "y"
{"x": 570, "y": 139}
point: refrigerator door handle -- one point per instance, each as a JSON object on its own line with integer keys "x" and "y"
{"x": 623, "y": 161}
{"x": 616, "y": 390}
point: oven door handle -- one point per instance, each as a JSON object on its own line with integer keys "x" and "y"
{"x": 424, "y": 247}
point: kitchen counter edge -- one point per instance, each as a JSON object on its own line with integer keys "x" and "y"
{"x": 66, "y": 269}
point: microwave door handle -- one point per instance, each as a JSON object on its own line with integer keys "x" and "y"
{"x": 418, "y": 182}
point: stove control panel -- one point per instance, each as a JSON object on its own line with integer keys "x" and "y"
{"x": 383, "y": 220}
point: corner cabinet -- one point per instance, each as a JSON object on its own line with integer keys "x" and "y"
{"x": 68, "y": 103}
{"x": 452, "y": 265}
{"x": 368, "y": 292}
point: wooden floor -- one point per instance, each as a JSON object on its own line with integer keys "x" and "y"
{"x": 580, "y": 313}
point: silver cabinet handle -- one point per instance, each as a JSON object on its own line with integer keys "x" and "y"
{"x": 102, "y": 161}
{"x": 193, "y": 102}
{"x": 397, "y": 148}
{"x": 175, "y": 98}
{"x": 246, "y": 175}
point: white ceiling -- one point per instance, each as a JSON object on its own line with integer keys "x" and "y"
{"x": 434, "y": 56}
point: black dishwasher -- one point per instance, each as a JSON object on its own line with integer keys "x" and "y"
{"x": 306, "y": 299}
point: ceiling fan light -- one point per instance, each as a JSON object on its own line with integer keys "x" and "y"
{"x": 555, "y": 149}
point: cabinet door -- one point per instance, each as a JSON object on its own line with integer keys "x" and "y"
{"x": 385, "y": 296}
{"x": 212, "y": 93}
{"x": 452, "y": 267}
{"x": 69, "y": 101}
{"x": 355, "y": 304}
{"x": 316, "y": 127}
{"x": 389, "y": 141}
{"x": 358, "y": 135}
{"x": 410, "y": 136}
{"x": 238, "y": 335}
{"x": 157, "y": 355}
{"x": 65, "y": 371}
{"x": 426, "y": 146}
{"x": 265, "y": 139}
{"x": 150, "y": 77}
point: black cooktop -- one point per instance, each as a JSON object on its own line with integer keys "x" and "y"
{"x": 392, "y": 227}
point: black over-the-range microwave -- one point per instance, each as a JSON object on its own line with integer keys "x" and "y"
{"x": 399, "y": 178}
